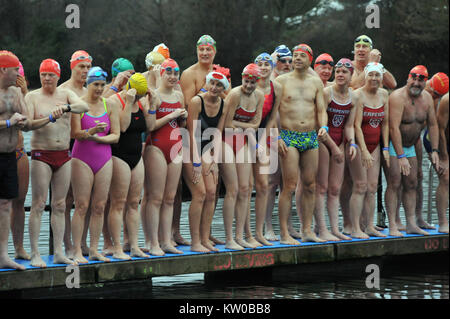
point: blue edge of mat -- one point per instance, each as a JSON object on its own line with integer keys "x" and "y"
{"x": 186, "y": 250}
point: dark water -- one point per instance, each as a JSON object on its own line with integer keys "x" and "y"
{"x": 430, "y": 282}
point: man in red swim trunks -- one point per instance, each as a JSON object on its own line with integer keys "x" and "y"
{"x": 49, "y": 108}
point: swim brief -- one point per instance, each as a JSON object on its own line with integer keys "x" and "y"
{"x": 55, "y": 159}
{"x": 409, "y": 151}
{"x": 9, "y": 181}
{"x": 302, "y": 141}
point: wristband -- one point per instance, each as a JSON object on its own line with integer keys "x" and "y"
{"x": 50, "y": 117}
{"x": 326, "y": 128}
{"x": 114, "y": 89}
{"x": 151, "y": 112}
{"x": 197, "y": 164}
{"x": 401, "y": 156}
{"x": 435, "y": 150}
{"x": 354, "y": 145}
{"x": 68, "y": 108}
{"x": 385, "y": 148}
{"x": 8, "y": 123}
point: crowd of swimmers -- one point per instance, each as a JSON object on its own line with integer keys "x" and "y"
{"x": 118, "y": 151}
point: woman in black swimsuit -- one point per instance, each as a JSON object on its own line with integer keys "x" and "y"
{"x": 205, "y": 110}
{"x": 136, "y": 117}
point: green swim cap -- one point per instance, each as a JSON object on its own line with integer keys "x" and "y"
{"x": 120, "y": 65}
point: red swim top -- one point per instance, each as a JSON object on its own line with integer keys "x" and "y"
{"x": 268, "y": 102}
{"x": 337, "y": 117}
{"x": 242, "y": 115}
{"x": 371, "y": 126}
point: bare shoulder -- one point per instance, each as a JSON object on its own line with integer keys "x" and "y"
{"x": 281, "y": 79}
{"x": 384, "y": 93}
{"x": 188, "y": 73}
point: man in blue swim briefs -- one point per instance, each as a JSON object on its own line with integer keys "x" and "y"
{"x": 410, "y": 110}
{"x": 301, "y": 110}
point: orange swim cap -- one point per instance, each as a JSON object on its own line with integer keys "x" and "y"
{"x": 419, "y": 70}
{"x": 306, "y": 49}
{"x": 50, "y": 66}
{"x": 439, "y": 83}
{"x": 163, "y": 50}
{"x": 8, "y": 60}
{"x": 78, "y": 57}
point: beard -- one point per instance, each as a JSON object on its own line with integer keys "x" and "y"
{"x": 415, "y": 91}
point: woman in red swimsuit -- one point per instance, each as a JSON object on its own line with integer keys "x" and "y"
{"x": 341, "y": 119}
{"x": 162, "y": 160}
{"x": 244, "y": 109}
{"x": 371, "y": 122}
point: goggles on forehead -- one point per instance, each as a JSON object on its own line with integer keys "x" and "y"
{"x": 325, "y": 62}
{"x": 100, "y": 73}
{"x": 303, "y": 48}
{"x": 420, "y": 76}
{"x": 363, "y": 39}
{"x": 82, "y": 57}
{"x": 250, "y": 76}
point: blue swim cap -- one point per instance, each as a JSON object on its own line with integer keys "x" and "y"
{"x": 96, "y": 74}
{"x": 282, "y": 51}
{"x": 265, "y": 57}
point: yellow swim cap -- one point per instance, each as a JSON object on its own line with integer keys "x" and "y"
{"x": 138, "y": 82}
{"x": 154, "y": 58}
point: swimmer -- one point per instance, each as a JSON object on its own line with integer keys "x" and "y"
{"x": 121, "y": 71}
{"x": 300, "y": 115}
{"x": 206, "y": 112}
{"x": 371, "y": 124}
{"x": 324, "y": 68}
{"x": 13, "y": 117}
{"x": 162, "y": 160}
{"x": 92, "y": 163}
{"x": 136, "y": 117}
{"x": 245, "y": 105}
{"x": 411, "y": 109}
{"x": 153, "y": 62}
{"x": 283, "y": 61}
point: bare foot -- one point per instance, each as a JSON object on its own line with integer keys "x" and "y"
{"x": 347, "y": 231}
{"x": 423, "y": 224}
{"x": 21, "y": 254}
{"x": 263, "y": 241}
{"x": 79, "y": 259}
{"x": 9, "y": 263}
{"x": 108, "y": 251}
{"x": 294, "y": 233}
{"x": 233, "y": 245}
{"x": 95, "y": 255}
{"x": 372, "y": 232}
{"x": 216, "y": 241}
{"x": 270, "y": 235}
{"x": 156, "y": 251}
{"x": 244, "y": 243}
{"x": 36, "y": 261}
{"x": 180, "y": 240}
{"x": 341, "y": 236}
{"x": 121, "y": 255}
{"x": 253, "y": 241}
{"x": 443, "y": 229}
{"x": 209, "y": 245}
{"x": 199, "y": 248}
{"x": 170, "y": 249}
{"x": 395, "y": 233}
{"x": 360, "y": 235}
{"x": 61, "y": 259}
{"x": 415, "y": 230}
{"x": 137, "y": 252}
{"x": 311, "y": 237}
{"x": 327, "y": 236}
{"x": 401, "y": 227}
{"x": 289, "y": 241}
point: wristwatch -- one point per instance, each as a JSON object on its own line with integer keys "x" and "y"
{"x": 435, "y": 150}
{"x": 68, "y": 108}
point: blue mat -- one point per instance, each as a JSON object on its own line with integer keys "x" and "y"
{"x": 187, "y": 252}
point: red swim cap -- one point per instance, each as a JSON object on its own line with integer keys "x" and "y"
{"x": 306, "y": 49}
{"x": 8, "y": 60}
{"x": 439, "y": 83}
{"x": 323, "y": 57}
{"x": 419, "y": 70}
{"x": 50, "y": 66}
{"x": 251, "y": 70}
{"x": 78, "y": 57}
{"x": 169, "y": 63}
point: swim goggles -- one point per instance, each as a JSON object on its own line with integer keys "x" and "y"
{"x": 346, "y": 64}
{"x": 364, "y": 39}
{"x": 325, "y": 62}
{"x": 302, "y": 47}
{"x": 420, "y": 76}
{"x": 284, "y": 61}
{"x": 82, "y": 57}
{"x": 264, "y": 57}
{"x": 170, "y": 69}
{"x": 99, "y": 73}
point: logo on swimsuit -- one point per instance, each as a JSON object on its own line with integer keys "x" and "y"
{"x": 173, "y": 123}
{"x": 338, "y": 120}
{"x": 73, "y": 19}
{"x": 375, "y": 122}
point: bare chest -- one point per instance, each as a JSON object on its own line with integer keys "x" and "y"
{"x": 416, "y": 113}
{"x": 9, "y": 103}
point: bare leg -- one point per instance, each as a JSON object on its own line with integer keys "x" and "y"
{"x": 442, "y": 201}
{"x": 5, "y": 215}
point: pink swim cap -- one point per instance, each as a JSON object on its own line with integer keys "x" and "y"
{"x": 21, "y": 71}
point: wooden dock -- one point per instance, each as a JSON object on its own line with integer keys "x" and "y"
{"x": 101, "y": 274}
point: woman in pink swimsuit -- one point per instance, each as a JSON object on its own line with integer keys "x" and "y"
{"x": 94, "y": 132}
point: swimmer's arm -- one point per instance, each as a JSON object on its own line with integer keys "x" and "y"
{"x": 182, "y": 122}
{"x": 232, "y": 101}
{"x": 187, "y": 84}
{"x": 322, "y": 115}
{"x": 349, "y": 128}
{"x": 396, "y": 108}
{"x": 389, "y": 80}
{"x": 442, "y": 118}
{"x": 194, "y": 109}
{"x": 77, "y": 105}
{"x": 150, "y": 119}
{"x": 358, "y": 121}
{"x": 433, "y": 127}
{"x": 385, "y": 125}
{"x": 114, "y": 133}
{"x": 33, "y": 124}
